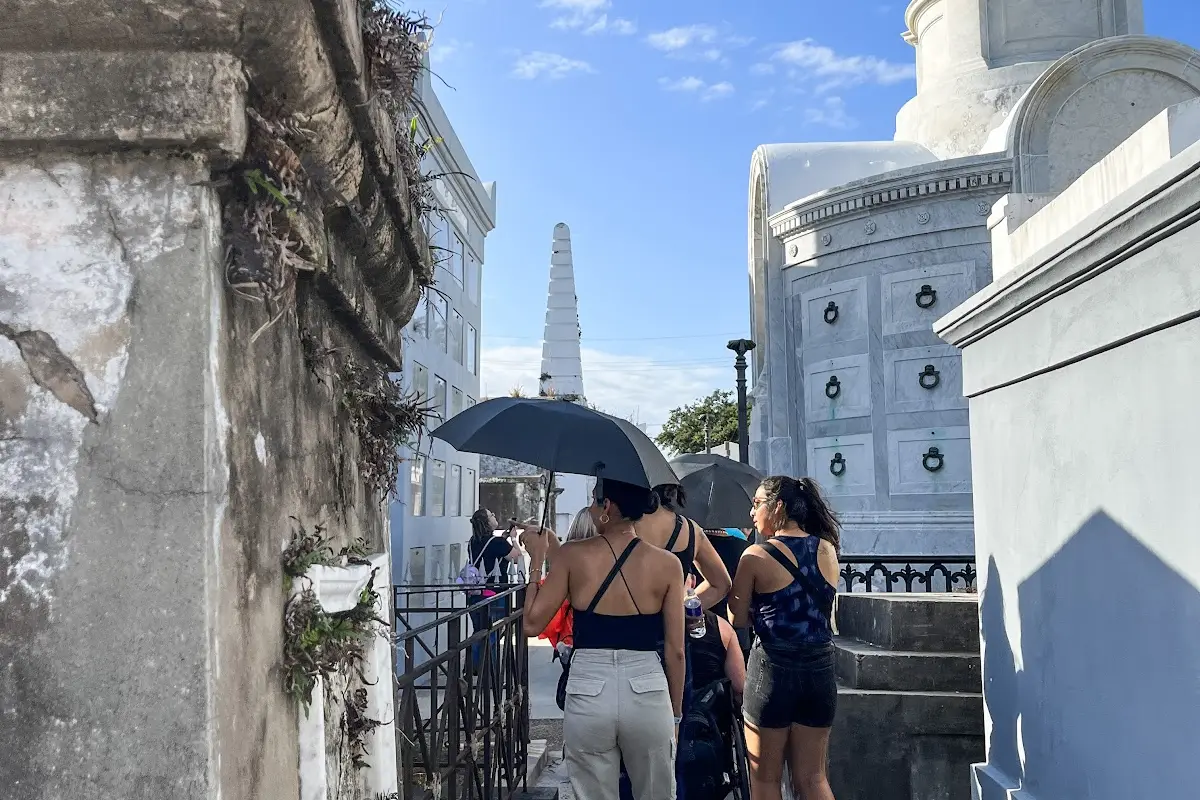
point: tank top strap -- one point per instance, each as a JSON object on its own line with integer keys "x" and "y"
{"x": 612, "y": 575}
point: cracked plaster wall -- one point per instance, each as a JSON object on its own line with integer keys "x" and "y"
{"x": 140, "y": 582}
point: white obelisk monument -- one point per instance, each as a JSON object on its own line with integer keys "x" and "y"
{"x": 562, "y": 364}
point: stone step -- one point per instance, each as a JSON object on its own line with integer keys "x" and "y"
{"x": 866, "y": 666}
{"x": 905, "y": 745}
{"x": 918, "y": 622}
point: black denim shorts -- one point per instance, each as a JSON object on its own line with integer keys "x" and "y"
{"x": 790, "y": 684}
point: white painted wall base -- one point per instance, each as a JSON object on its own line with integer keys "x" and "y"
{"x": 338, "y": 589}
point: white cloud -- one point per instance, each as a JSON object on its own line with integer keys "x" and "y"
{"x": 676, "y": 39}
{"x": 590, "y": 16}
{"x": 762, "y": 68}
{"x": 549, "y": 65}
{"x": 810, "y": 59}
{"x": 440, "y": 51}
{"x": 832, "y": 113}
{"x": 635, "y": 387}
{"x": 693, "y": 85}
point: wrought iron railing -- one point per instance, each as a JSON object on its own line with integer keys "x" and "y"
{"x": 907, "y": 573}
{"x": 463, "y": 732}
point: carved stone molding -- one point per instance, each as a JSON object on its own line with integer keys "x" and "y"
{"x": 991, "y": 173}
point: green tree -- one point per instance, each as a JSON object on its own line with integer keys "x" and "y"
{"x": 684, "y": 429}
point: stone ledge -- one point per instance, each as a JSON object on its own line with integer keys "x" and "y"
{"x": 105, "y": 101}
{"x": 910, "y": 184}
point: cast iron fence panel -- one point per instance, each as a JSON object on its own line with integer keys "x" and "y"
{"x": 907, "y": 573}
{"x": 463, "y": 733}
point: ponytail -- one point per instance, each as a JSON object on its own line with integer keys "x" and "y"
{"x": 804, "y": 503}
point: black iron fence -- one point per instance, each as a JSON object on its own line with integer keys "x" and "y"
{"x": 907, "y": 574}
{"x": 462, "y": 693}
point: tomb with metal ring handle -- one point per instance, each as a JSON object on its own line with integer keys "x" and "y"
{"x": 933, "y": 460}
{"x": 929, "y": 378}
{"x": 837, "y": 465}
{"x": 833, "y": 387}
{"x": 831, "y": 313}
{"x": 926, "y": 297}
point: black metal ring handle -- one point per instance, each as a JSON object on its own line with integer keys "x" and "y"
{"x": 933, "y": 460}
{"x": 833, "y": 387}
{"x": 831, "y": 313}
{"x": 837, "y": 465}
{"x": 929, "y": 378}
{"x": 926, "y": 297}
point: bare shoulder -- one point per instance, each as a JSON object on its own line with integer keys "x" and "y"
{"x": 659, "y": 559}
{"x": 826, "y": 549}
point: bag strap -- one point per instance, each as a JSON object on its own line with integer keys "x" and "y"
{"x": 475, "y": 563}
{"x": 691, "y": 546}
{"x": 794, "y": 569}
{"x": 612, "y": 574}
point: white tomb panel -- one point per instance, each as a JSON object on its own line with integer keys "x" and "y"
{"x": 834, "y": 313}
{"x": 843, "y": 465}
{"x": 922, "y": 379}
{"x": 930, "y": 460}
{"x": 914, "y": 299}
{"x": 838, "y": 388}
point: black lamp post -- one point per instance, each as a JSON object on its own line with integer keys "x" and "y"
{"x": 741, "y": 347}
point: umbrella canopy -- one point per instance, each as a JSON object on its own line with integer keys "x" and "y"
{"x": 559, "y": 436}
{"x": 719, "y": 490}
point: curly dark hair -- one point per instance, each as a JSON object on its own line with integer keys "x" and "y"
{"x": 804, "y": 503}
{"x": 481, "y": 525}
{"x": 671, "y": 497}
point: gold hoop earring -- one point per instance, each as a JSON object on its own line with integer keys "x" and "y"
{"x": 604, "y": 519}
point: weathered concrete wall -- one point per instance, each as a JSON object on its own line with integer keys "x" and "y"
{"x": 152, "y": 456}
{"x": 110, "y": 530}
{"x": 1081, "y": 365}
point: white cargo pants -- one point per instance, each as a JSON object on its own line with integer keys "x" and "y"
{"x": 618, "y": 707}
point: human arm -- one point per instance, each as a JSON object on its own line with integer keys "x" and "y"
{"x": 716, "y": 583}
{"x": 543, "y": 601}
{"x": 827, "y": 562}
{"x": 735, "y": 663}
{"x": 672, "y": 611}
{"x": 743, "y": 587}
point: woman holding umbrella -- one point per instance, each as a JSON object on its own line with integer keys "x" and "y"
{"x": 623, "y": 702}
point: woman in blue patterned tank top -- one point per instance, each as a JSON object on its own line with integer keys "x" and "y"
{"x": 785, "y": 587}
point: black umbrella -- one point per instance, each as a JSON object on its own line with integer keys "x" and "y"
{"x": 719, "y": 490}
{"x": 559, "y": 436}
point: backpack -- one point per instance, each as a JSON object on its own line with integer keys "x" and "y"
{"x": 470, "y": 575}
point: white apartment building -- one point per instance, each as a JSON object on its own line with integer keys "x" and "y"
{"x": 438, "y": 486}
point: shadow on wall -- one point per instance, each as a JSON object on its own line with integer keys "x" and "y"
{"x": 1106, "y": 705}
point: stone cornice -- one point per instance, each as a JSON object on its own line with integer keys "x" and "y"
{"x": 1162, "y": 204}
{"x": 894, "y": 188}
{"x": 912, "y": 16}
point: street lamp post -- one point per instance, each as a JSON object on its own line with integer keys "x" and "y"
{"x": 741, "y": 347}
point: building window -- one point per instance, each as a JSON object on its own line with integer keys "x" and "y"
{"x": 456, "y": 564}
{"x": 472, "y": 337}
{"x": 456, "y": 260}
{"x": 420, "y": 379}
{"x": 472, "y": 278}
{"x": 437, "y": 489}
{"x": 468, "y": 491}
{"x": 454, "y": 492}
{"x": 436, "y": 321}
{"x": 420, "y": 320}
{"x": 416, "y": 565}
{"x": 439, "y": 398}
{"x": 416, "y": 480}
{"x": 437, "y": 563}
{"x": 456, "y": 401}
{"x": 456, "y": 336}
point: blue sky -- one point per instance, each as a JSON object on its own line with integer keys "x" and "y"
{"x": 634, "y": 122}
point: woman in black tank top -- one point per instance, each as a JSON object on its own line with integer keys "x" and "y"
{"x": 623, "y": 700}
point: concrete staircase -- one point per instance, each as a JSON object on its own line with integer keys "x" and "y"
{"x": 910, "y": 708}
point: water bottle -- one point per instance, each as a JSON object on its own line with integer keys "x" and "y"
{"x": 693, "y": 615}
